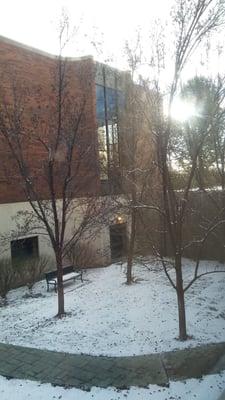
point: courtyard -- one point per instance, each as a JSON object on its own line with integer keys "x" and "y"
{"x": 107, "y": 317}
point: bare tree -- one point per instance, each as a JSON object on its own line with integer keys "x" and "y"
{"x": 219, "y": 132}
{"x": 52, "y": 149}
{"x": 193, "y": 21}
{"x": 32, "y": 271}
{"x": 137, "y": 153}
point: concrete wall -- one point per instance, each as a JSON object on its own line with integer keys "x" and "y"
{"x": 8, "y": 227}
{"x": 204, "y": 210}
{"x": 96, "y": 239}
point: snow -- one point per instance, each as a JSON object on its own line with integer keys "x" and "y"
{"x": 209, "y": 387}
{"x": 107, "y": 317}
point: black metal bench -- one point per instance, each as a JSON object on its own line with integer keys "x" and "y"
{"x": 69, "y": 273}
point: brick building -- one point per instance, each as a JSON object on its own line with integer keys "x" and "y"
{"x": 92, "y": 103}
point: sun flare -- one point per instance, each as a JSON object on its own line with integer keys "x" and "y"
{"x": 182, "y": 110}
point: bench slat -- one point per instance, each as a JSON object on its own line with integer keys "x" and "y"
{"x": 70, "y": 272}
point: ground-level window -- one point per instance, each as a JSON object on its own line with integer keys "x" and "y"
{"x": 23, "y": 249}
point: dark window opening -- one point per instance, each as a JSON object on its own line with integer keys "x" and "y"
{"x": 23, "y": 249}
{"x": 118, "y": 241}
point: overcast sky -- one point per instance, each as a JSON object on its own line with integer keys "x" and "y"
{"x": 34, "y": 22}
{"x": 107, "y": 24}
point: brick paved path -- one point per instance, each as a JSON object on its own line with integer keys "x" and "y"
{"x": 83, "y": 371}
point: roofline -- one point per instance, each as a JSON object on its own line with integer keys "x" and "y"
{"x": 115, "y": 69}
{"x": 40, "y": 52}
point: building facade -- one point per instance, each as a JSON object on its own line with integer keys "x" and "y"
{"x": 90, "y": 100}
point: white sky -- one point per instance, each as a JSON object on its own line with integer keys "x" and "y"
{"x": 34, "y": 22}
{"x": 108, "y": 24}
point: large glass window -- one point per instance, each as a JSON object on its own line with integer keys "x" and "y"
{"x": 103, "y": 152}
{"x": 100, "y": 105}
{"x": 108, "y": 101}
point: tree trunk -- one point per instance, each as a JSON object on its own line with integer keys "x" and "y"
{"x": 180, "y": 299}
{"x": 200, "y": 173}
{"x": 131, "y": 244}
{"x": 61, "y": 310}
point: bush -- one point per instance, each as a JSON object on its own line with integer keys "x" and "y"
{"x": 34, "y": 270}
{"x": 82, "y": 255}
{"x": 7, "y": 277}
{"x": 31, "y": 270}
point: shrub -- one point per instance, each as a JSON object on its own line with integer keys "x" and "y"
{"x": 35, "y": 270}
{"x": 82, "y": 255}
{"x": 31, "y": 270}
{"x": 7, "y": 276}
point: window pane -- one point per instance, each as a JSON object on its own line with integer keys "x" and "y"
{"x": 111, "y": 103}
{"x": 113, "y": 132}
{"x": 107, "y": 127}
{"x": 100, "y": 105}
{"x": 102, "y": 142}
{"x": 103, "y": 165}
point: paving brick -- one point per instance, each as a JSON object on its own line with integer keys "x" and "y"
{"x": 193, "y": 362}
{"x": 122, "y": 372}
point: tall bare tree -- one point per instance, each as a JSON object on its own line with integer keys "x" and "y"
{"x": 138, "y": 156}
{"x": 192, "y": 21}
{"x": 51, "y": 147}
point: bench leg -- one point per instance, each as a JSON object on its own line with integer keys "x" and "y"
{"x": 55, "y": 287}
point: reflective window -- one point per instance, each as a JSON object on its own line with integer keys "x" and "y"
{"x": 108, "y": 101}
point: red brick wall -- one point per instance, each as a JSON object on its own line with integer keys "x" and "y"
{"x": 31, "y": 77}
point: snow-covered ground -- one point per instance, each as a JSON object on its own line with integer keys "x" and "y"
{"x": 110, "y": 318}
{"x": 208, "y": 388}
